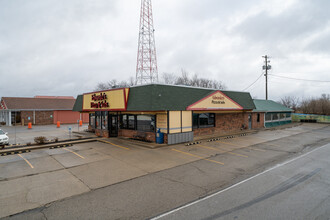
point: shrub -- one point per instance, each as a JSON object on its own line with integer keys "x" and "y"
{"x": 28, "y": 144}
{"x": 40, "y": 140}
{"x": 56, "y": 139}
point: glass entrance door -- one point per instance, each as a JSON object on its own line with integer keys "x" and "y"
{"x": 113, "y": 125}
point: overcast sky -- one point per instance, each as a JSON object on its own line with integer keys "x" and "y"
{"x": 61, "y": 47}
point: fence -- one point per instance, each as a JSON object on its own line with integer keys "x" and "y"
{"x": 310, "y": 118}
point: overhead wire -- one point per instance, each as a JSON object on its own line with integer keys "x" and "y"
{"x": 310, "y": 80}
{"x": 253, "y": 82}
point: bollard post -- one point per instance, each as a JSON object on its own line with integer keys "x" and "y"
{"x": 29, "y": 125}
{"x": 80, "y": 123}
{"x": 58, "y": 124}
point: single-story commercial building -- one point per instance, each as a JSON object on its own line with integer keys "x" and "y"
{"x": 180, "y": 112}
{"x": 39, "y": 110}
{"x": 274, "y": 113}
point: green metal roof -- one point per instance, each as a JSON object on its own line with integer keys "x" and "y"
{"x": 157, "y": 97}
{"x": 78, "y": 104}
{"x": 269, "y": 106}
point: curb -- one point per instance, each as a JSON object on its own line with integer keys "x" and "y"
{"x": 193, "y": 143}
{"x": 61, "y": 146}
{"x": 15, "y": 152}
{"x": 228, "y": 137}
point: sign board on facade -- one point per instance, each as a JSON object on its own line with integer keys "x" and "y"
{"x": 215, "y": 101}
{"x": 162, "y": 122}
{"x": 111, "y": 100}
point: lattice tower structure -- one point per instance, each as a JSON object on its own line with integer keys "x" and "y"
{"x": 146, "y": 68}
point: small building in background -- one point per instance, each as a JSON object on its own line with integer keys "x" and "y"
{"x": 272, "y": 113}
{"x": 39, "y": 110}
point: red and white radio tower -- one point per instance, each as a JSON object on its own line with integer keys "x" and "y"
{"x": 146, "y": 68}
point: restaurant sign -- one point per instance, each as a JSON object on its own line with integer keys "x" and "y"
{"x": 111, "y": 100}
{"x": 215, "y": 101}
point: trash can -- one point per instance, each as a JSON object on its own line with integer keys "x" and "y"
{"x": 159, "y": 137}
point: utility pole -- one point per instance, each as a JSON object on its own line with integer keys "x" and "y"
{"x": 266, "y": 67}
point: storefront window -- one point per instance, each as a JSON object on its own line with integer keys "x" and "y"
{"x": 92, "y": 120}
{"x": 127, "y": 122}
{"x": 104, "y": 120}
{"x": 288, "y": 115}
{"x": 195, "y": 120}
{"x": 123, "y": 122}
{"x": 131, "y": 122}
{"x": 98, "y": 120}
{"x": 268, "y": 117}
{"x": 146, "y": 123}
{"x": 204, "y": 120}
{"x": 282, "y": 115}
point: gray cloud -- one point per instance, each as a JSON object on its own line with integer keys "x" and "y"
{"x": 57, "y": 47}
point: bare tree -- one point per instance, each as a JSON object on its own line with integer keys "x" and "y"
{"x": 316, "y": 105}
{"x": 169, "y": 78}
{"x": 115, "y": 84}
{"x": 183, "y": 79}
{"x": 195, "y": 81}
{"x": 290, "y": 102}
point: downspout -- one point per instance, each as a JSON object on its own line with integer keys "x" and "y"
{"x": 34, "y": 117}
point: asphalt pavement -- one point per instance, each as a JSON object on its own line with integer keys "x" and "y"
{"x": 296, "y": 189}
{"x": 22, "y": 135}
{"x": 121, "y": 180}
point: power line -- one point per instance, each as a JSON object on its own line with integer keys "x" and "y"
{"x": 310, "y": 80}
{"x": 253, "y": 82}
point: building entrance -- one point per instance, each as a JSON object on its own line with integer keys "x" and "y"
{"x": 113, "y": 125}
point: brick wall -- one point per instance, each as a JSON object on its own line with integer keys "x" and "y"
{"x": 42, "y": 117}
{"x": 102, "y": 133}
{"x": 150, "y": 136}
{"x": 255, "y": 123}
{"x": 225, "y": 123}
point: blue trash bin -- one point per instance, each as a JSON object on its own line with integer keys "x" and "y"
{"x": 159, "y": 137}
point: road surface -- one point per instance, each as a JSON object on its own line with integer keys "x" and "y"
{"x": 296, "y": 189}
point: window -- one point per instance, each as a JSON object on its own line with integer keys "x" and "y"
{"x": 275, "y": 116}
{"x": 127, "y": 122}
{"x": 204, "y": 120}
{"x": 268, "y": 117}
{"x": 104, "y": 120}
{"x": 258, "y": 117}
{"x": 92, "y": 120}
{"x": 131, "y": 122}
{"x": 195, "y": 120}
{"x": 146, "y": 123}
{"x": 98, "y": 120}
{"x": 138, "y": 122}
{"x": 123, "y": 122}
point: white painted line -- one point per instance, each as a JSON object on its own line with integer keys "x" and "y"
{"x": 237, "y": 184}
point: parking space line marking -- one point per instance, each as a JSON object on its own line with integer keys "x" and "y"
{"x": 74, "y": 153}
{"x": 213, "y": 148}
{"x": 114, "y": 144}
{"x": 193, "y": 155}
{"x": 26, "y": 161}
{"x": 241, "y": 146}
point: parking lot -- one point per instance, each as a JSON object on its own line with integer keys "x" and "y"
{"x": 34, "y": 179}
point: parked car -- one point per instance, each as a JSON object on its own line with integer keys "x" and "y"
{"x": 4, "y": 139}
